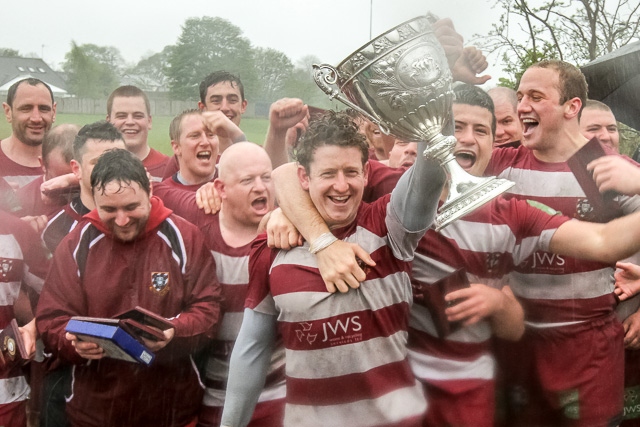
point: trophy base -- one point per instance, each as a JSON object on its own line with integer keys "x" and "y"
{"x": 472, "y": 196}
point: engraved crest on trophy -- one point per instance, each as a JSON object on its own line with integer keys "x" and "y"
{"x": 401, "y": 81}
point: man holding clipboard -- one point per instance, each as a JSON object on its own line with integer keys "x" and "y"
{"x": 132, "y": 252}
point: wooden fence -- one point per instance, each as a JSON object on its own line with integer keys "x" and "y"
{"x": 158, "y": 107}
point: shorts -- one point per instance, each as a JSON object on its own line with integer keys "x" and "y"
{"x": 631, "y": 389}
{"x": 13, "y": 414}
{"x": 567, "y": 376}
{"x": 269, "y": 413}
{"x": 460, "y": 403}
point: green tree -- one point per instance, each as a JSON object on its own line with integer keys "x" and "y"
{"x": 150, "y": 73}
{"x": 205, "y": 45}
{"x": 301, "y": 85}
{"x": 7, "y": 52}
{"x": 92, "y": 71}
{"x": 577, "y": 31}
{"x": 273, "y": 69}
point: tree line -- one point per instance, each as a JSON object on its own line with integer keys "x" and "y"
{"x": 205, "y": 44}
{"x": 526, "y": 31}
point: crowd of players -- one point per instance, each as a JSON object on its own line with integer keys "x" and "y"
{"x": 333, "y": 316}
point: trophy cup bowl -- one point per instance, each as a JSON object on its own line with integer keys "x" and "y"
{"x": 401, "y": 81}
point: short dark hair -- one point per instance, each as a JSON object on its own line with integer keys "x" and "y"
{"x": 61, "y": 136}
{"x": 473, "y": 95}
{"x": 128, "y": 91}
{"x": 11, "y": 94}
{"x": 572, "y": 83}
{"x": 597, "y": 105}
{"x": 175, "y": 128}
{"x": 101, "y": 130}
{"x": 332, "y": 128}
{"x": 121, "y": 166}
{"x": 217, "y": 77}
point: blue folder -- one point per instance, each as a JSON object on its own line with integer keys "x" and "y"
{"x": 116, "y": 342}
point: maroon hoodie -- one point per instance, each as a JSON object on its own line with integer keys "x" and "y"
{"x": 167, "y": 269}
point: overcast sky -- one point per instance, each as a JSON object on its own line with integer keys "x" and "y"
{"x": 328, "y": 29}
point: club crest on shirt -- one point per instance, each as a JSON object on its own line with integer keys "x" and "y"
{"x": 583, "y": 208}
{"x": 160, "y": 283}
{"x": 492, "y": 261}
{"x": 6, "y": 267}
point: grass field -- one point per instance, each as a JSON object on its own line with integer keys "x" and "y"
{"x": 255, "y": 129}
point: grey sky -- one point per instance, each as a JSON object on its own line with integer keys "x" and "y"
{"x": 329, "y": 29}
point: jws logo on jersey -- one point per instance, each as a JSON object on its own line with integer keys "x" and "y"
{"x": 546, "y": 259}
{"x": 632, "y": 403}
{"x": 337, "y": 331}
{"x": 341, "y": 330}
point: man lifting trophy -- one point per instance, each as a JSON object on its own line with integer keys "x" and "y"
{"x": 401, "y": 81}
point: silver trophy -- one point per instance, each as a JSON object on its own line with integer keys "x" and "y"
{"x": 401, "y": 81}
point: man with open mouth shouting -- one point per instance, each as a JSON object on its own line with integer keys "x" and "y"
{"x": 559, "y": 375}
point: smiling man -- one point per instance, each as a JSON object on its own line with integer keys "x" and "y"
{"x": 366, "y": 330}
{"x": 458, "y": 371}
{"x": 31, "y": 111}
{"x": 222, "y": 97}
{"x": 224, "y": 92}
{"x": 508, "y": 127}
{"x": 129, "y": 110}
{"x": 196, "y": 148}
{"x": 568, "y": 303}
{"x": 109, "y": 266}
{"x": 597, "y": 121}
{"x": 89, "y": 144}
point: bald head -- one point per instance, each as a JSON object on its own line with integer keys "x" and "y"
{"x": 239, "y": 154}
{"x": 57, "y": 150}
{"x": 508, "y": 126}
{"x": 244, "y": 184}
{"x": 504, "y": 94}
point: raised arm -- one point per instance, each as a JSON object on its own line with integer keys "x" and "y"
{"x": 227, "y": 131}
{"x": 288, "y": 119}
{"x": 415, "y": 198}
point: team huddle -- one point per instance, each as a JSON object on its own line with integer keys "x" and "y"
{"x": 329, "y": 310}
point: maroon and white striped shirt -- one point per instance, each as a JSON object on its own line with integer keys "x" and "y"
{"x": 555, "y": 290}
{"x": 346, "y": 355}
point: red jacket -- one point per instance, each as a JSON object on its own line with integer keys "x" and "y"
{"x": 95, "y": 275}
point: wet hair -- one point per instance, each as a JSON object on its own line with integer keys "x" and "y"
{"x": 11, "y": 94}
{"x": 101, "y": 130}
{"x": 218, "y": 77}
{"x": 128, "y": 91}
{"x": 61, "y": 136}
{"x": 121, "y": 166}
{"x": 473, "y": 95}
{"x": 332, "y": 128}
{"x": 175, "y": 128}
{"x": 572, "y": 83}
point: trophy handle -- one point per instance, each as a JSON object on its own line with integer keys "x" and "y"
{"x": 326, "y": 77}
